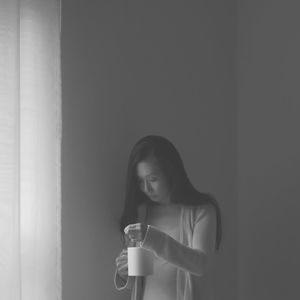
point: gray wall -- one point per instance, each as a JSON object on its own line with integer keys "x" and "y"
{"x": 131, "y": 69}
{"x": 268, "y": 149}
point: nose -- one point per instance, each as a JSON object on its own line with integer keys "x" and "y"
{"x": 146, "y": 186}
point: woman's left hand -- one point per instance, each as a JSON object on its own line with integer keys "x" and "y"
{"x": 136, "y": 231}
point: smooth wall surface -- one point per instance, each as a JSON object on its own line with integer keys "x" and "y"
{"x": 131, "y": 68}
{"x": 268, "y": 150}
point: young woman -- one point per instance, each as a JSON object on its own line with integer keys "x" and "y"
{"x": 180, "y": 225}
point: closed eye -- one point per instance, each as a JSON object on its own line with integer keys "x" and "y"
{"x": 152, "y": 179}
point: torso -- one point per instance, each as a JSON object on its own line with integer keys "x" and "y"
{"x": 162, "y": 284}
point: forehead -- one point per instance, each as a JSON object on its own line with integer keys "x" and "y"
{"x": 147, "y": 167}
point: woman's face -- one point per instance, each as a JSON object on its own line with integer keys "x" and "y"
{"x": 152, "y": 181}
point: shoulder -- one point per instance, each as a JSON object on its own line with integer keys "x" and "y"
{"x": 204, "y": 204}
{"x": 206, "y": 210}
{"x": 197, "y": 213}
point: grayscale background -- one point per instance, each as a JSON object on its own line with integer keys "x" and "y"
{"x": 220, "y": 79}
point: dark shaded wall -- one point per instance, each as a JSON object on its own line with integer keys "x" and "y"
{"x": 268, "y": 149}
{"x": 131, "y": 68}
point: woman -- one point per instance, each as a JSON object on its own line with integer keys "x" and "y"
{"x": 180, "y": 225}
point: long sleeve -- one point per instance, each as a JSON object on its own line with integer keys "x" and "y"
{"x": 195, "y": 259}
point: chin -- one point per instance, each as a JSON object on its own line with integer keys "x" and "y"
{"x": 154, "y": 199}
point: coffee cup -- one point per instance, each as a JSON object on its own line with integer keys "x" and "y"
{"x": 140, "y": 261}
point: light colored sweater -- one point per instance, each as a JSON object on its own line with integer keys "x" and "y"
{"x": 192, "y": 254}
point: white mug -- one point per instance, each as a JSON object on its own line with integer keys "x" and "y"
{"x": 140, "y": 261}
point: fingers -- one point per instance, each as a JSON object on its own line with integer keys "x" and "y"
{"x": 132, "y": 228}
{"x": 123, "y": 273}
{"x": 121, "y": 260}
{"x": 124, "y": 252}
{"x": 122, "y": 263}
{"x": 135, "y": 231}
{"x": 122, "y": 257}
{"x": 122, "y": 267}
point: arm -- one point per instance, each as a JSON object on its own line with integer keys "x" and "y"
{"x": 195, "y": 259}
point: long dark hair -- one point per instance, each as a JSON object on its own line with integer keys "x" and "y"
{"x": 170, "y": 163}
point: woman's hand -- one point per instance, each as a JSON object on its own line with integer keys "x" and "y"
{"x": 122, "y": 264}
{"x": 136, "y": 231}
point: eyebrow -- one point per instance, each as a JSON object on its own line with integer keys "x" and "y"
{"x": 151, "y": 174}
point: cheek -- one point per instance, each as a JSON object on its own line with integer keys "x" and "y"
{"x": 163, "y": 188}
{"x": 155, "y": 186}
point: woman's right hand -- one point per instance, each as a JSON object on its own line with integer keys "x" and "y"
{"x": 122, "y": 264}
